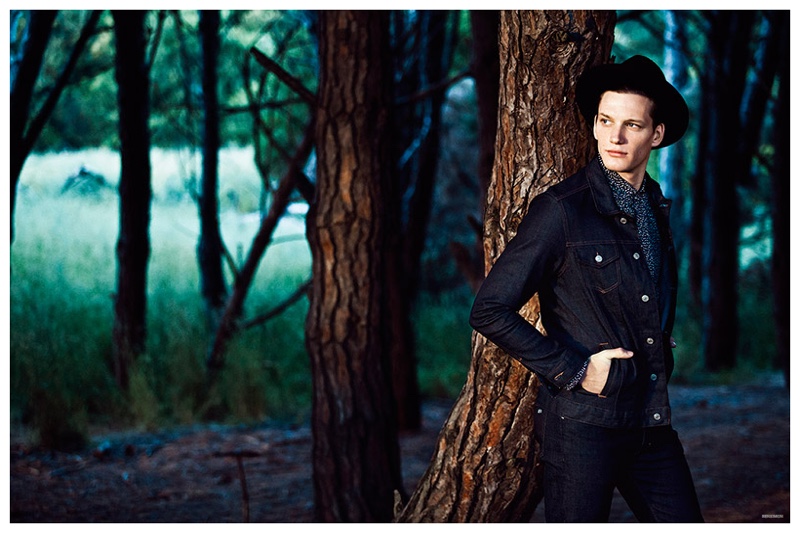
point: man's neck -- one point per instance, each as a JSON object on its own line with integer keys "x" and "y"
{"x": 635, "y": 179}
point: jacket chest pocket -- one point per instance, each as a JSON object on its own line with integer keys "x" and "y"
{"x": 600, "y": 266}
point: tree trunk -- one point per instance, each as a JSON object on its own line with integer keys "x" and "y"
{"x": 407, "y": 53}
{"x": 781, "y": 244}
{"x": 414, "y": 179}
{"x": 486, "y": 72}
{"x": 228, "y": 323}
{"x": 728, "y": 47}
{"x": 671, "y": 160}
{"x": 209, "y": 247}
{"x": 485, "y": 69}
{"x": 698, "y": 195}
{"x": 484, "y": 468}
{"x": 133, "y": 244}
{"x": 355, "y": 450}
{"x": 40, "y": 24}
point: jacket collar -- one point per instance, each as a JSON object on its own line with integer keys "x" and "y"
{"x": 604, "y": 197}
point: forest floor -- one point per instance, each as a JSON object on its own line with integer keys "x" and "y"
{"x": 736, "y": 440}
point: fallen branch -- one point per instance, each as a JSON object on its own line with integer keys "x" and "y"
{"x": 238, "y": 455}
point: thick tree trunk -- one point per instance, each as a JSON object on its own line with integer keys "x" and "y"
{"x": 484, "y": 467}
{"x": 355, "y": 449}
{"x": 133, "y": 244}
{"x": 209, "y": 247}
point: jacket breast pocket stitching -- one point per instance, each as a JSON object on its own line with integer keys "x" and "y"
{"x": 603, "y": 272}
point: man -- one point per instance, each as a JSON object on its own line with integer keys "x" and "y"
{"x": 598, "y": 250}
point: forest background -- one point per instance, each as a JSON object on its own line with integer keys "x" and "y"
{"x": 66, "y": 215}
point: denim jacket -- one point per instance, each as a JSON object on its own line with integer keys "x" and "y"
{"x": 582, "y": 255}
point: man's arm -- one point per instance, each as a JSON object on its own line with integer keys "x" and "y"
{"x": 531, "y": 258}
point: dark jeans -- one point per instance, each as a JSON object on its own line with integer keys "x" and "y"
{"x": 583, "y": 464}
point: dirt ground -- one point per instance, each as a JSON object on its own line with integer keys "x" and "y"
{"x": 736, "y": 440}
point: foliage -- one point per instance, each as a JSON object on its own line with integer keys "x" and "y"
{"x": 86, "y": 114}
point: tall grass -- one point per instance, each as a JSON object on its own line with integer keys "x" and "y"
{"x": 62, "y": 284}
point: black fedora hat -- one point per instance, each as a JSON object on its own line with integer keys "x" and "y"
{"x": 641, "y": 75}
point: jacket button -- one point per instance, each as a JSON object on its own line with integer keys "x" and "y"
{"x": 650, "y": 340}
{"x": 598, "y": 258}
{"x": 645, "y": 298}
{"x": 656, "y": 417}
{"x": 636, "y": 255}
{"x": 653, "y": 377}
{"x": 623, "y": 220}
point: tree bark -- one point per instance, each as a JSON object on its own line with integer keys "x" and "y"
{"x": 485, "y": 466}
{"x": 209, "y": 247}
{"x": 355, "y": 448}
{"x": 133, "y": 244}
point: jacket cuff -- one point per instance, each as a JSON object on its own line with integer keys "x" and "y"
{"x": 569, "y": 371}
{"x": 578, "y": 377}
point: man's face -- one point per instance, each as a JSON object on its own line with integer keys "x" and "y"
{"x": 625, "y": 133}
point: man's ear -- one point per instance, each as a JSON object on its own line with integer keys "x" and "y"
{"x": 658, "y": 135}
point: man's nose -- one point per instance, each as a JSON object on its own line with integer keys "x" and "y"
{"x": 617, "y": 136}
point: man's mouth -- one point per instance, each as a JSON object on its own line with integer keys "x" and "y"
{"x": 615, "y": 153}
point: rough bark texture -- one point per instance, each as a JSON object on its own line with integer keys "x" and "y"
{"x": 355, "y": 449}
{"x": 485, "y": 465}
{"x": 133, "y": 244}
